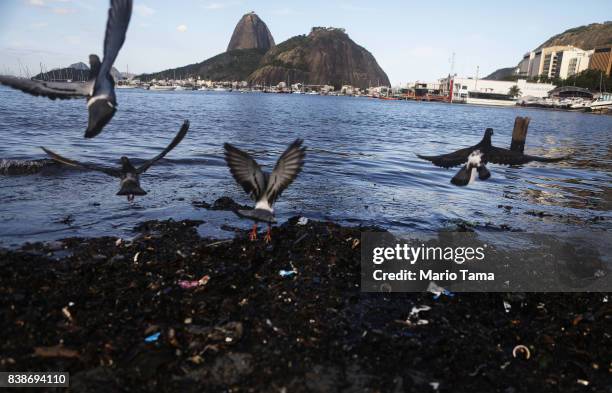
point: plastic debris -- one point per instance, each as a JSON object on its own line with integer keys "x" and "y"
{"x": 521, "y": 349}
{"x": 188, "y": 284}
{"x": 438, "y": 291}
{"x": 302, "y": 221}
{"x": 583, "y": 382}
{"x": 287, "y": 273}
{"x": 434, "y": 385}
{"x": 413, "y": 317}
{"x": 118, "y": 242}
{"x": 152, "y": 338}
{"x": 507, "y": 306}
{"x": 136, "y": 257}
{"x": 67, "y": 313}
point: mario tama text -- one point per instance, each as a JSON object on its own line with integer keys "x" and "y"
{"x": 468, "y": 262}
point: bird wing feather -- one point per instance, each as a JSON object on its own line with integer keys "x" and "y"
{"x": 177, "y": 139}
{"x": 246, "y": 171}
{"x": 450, "y": 160}
{"x": 498, "y": 155}
{"x": 286, "y": 170}
{"x": 66, "y": 161}
{"x": 119, "y": 15}
{"x": 52, "y": 90}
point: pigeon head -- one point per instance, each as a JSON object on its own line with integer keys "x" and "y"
{"x": 94, "y": 66}
{"x": 126, "y": 165}
{"x": 486, "y": 139}
{"x": 101, "y": 110}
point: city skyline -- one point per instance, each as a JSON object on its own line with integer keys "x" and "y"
{"x": 410, "y": 41}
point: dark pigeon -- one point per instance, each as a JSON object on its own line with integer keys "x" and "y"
{"x": 128, "y": 173}
{"x": 264, "y": 188}
{"x": 486, "y": 153}
{"x": 100, "y": 89}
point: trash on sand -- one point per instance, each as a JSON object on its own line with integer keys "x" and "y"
{"x": 438, "y": 290}
{"x": 302, "y": 221}
{"x": 188, "y": 284}
{"x": 414, "y": 314}
{"x": 416, "y": 310}
{"x": 287, "y": 273}
{"x": 152, "y": 338}
{"x": 521, "y": 349}
{"x": 583, "y": 382}
{"x": 67, "y": 313}
{"x": 57, "y": 351}
{"x": 507, "y": 306}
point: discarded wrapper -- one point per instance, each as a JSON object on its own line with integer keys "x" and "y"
{"x": 152, "y": 338}
{"x": 438, "y": 290}
{"x": 188, "y": 284}
{"x": 302, "y": 221}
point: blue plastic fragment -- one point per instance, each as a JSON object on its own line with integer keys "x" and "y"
{"x": 152, "y": 338}
{"x": 287, "y": 273}
{"x": 444, "y": 292}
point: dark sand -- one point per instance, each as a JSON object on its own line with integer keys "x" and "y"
{"x": 87, "y": 305}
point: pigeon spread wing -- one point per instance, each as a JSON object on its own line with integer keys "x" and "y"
{"x": 501, "y": 156}
{"x": 53, "y": 90}
{"x": 177, "y": 139}
{"x": 76, "y": 164}
{"x": 286, "y": 170}
{"x": 246, "y": 171}
{"x": 119, "y": 15}
{"x": 450, "y": 160}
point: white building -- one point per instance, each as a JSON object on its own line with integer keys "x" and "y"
{"x": 491, "y": 92}
{"x": 555, "y": 62}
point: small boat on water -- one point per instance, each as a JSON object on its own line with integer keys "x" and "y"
{"x": 221, "y": 89}
{"x": 162, "y": 87}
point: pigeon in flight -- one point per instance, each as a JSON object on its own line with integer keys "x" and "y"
{"x": 477, "y": 156}
{"x": 467, "y": 173}
{"x": 100, "y": 89}
{"x": 128, "y": 173}
{"x": 264, "y": 188}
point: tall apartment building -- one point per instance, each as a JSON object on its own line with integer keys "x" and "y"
{"x": 555, "y": 62}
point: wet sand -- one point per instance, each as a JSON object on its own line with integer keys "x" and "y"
{"x": 228, "y": 320}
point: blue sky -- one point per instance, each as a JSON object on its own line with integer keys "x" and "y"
{"x": 411, "y": 40}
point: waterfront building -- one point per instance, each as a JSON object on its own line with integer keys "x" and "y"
{"x": 561, "y": 61}
{"x": 602, "y": 59}
{"x": 490, "y": 92}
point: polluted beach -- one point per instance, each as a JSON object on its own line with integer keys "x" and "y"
{"x": 275, "y": 211}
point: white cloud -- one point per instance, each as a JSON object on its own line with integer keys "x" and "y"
{"x": 181, "y": 28}
{"x": 37, "y": 3}
{"x": 144, "y": 10}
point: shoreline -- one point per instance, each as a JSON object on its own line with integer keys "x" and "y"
{"x": 239, "y": 314}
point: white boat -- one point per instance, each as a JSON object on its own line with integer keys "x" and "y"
{"x": 162, "y": 87}
{"x": 604, "y": 101}
{"x": 125, "y": 86}
{"x": 179, "y": 88}
{"x": 220, "y": 89}
{"x": 203, "y": 88}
